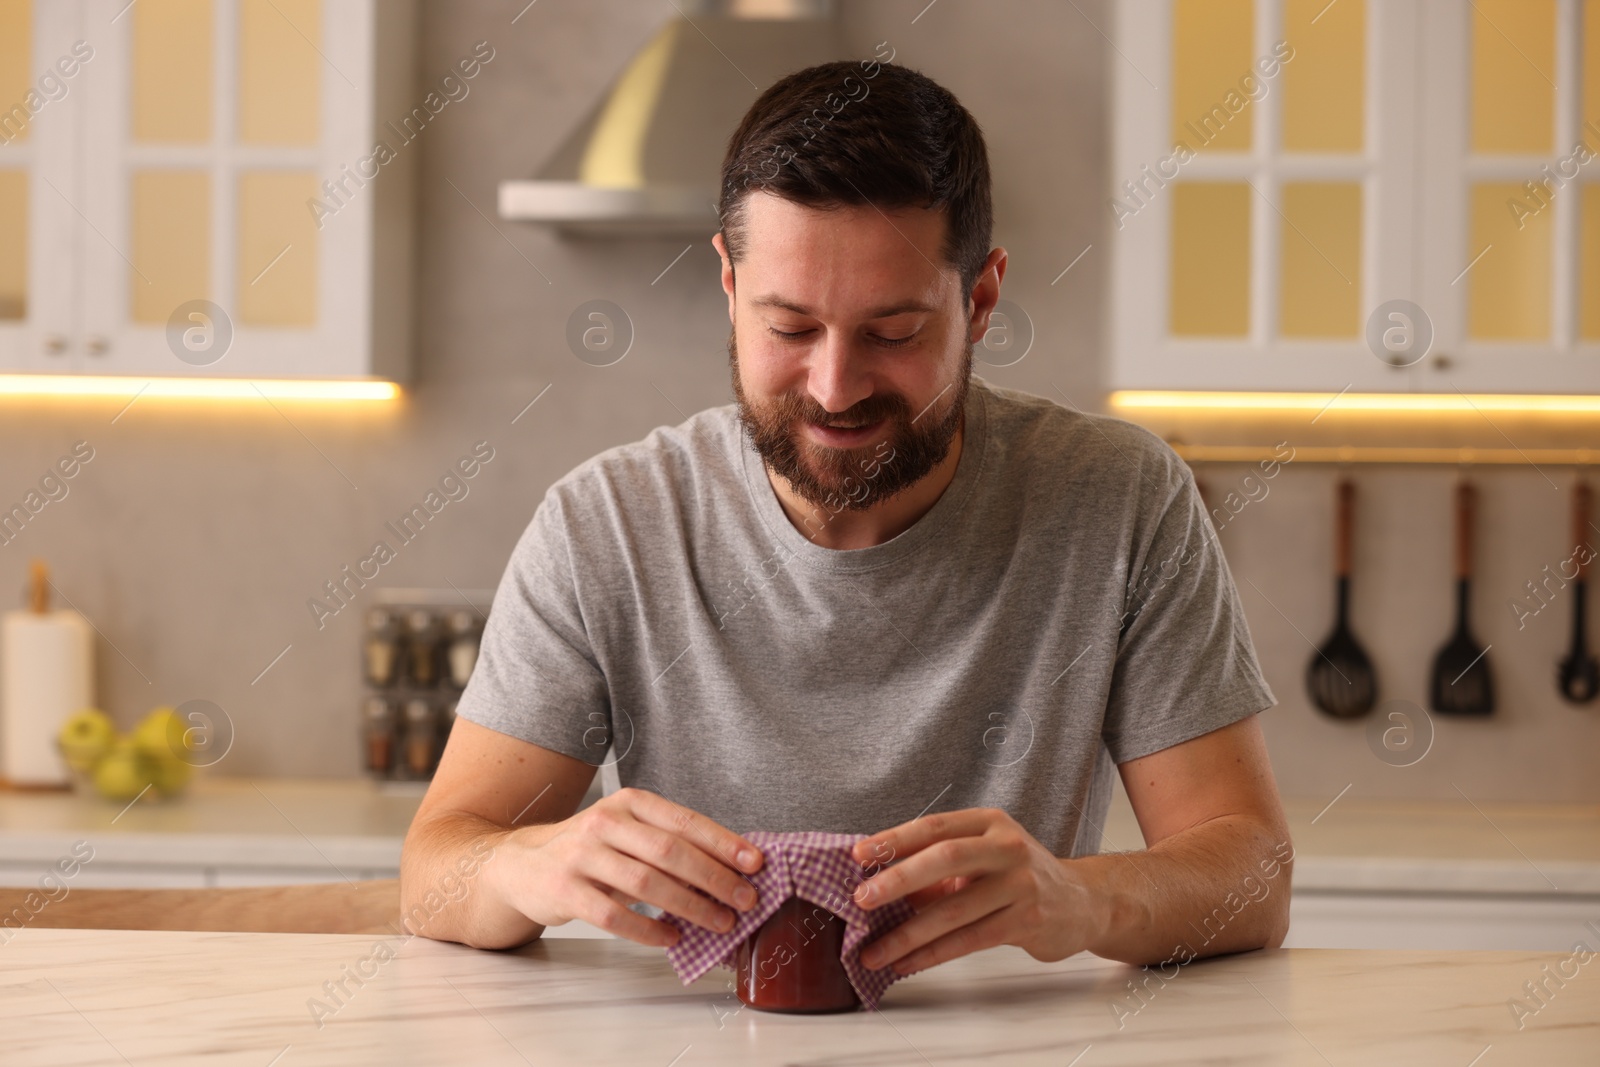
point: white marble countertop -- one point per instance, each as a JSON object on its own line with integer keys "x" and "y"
{"x": 89, "y": 998}
{"x": 1354, "y": 845}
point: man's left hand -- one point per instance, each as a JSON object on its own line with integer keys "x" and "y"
{"x": 976, "y": 879}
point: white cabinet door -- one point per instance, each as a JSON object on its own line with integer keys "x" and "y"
{"x": 202, "y": 201}
{"x": 1284, "y": 169}
{"x": 39, "y": 130}
{"x": 215, "y": 257}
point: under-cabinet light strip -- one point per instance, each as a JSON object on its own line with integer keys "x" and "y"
{"x": 1396, "y": 402}
{"x": 208, "y": 388}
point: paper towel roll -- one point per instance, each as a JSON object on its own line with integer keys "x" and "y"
{"x": 46, "y": 674}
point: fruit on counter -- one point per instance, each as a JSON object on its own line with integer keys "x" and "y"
{"x": 85, "y": 737}
{"x": 157, "y": 753}
{"x": 124, "y": 772}
{"x": 169, "y": 776}
{"x": 160, "y": 735}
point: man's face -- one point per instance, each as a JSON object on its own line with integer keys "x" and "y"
{"x": 851, "y": 350}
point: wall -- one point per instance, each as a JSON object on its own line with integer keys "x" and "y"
{"x": 194, "y": 538}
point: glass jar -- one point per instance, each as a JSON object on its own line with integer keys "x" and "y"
{"x": 791, "y": 963}
{"x": 380, "y": 736}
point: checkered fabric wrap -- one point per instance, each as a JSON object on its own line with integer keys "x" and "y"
{"x": 817, "y": 868}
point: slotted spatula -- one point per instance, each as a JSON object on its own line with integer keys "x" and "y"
{"x": 1340, "y": 677}
{"x": 1462, "y": 683}
{"x": 1578, "y": 675}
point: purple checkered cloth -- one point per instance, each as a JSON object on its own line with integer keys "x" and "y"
{"x": 817, "y": 868}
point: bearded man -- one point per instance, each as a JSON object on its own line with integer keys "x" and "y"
{"x": 874, "y": 596}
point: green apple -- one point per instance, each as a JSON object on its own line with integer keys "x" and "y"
{"x": 123, "y": 772}
{"x": 169, "y": 775}
{"x": 160, "y": 735}
{"x": 85, "y": 737}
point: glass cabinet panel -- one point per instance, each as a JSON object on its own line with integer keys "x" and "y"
{"x": 16, "y": 66}
{"x": 277, "y": 267}
{"x": 1324, "y": 86}
{"x": 1589, "y": 264}
{"x": 1513, "y": 76}
{"x": 172, "y": 61}
{"x": 280, "y": 71}
{"x": 13, "y": 244}
{"x": 171, "y": 242}
{"x": 1320, "y": 260}
{"x": 1509, "y": 286}
{"x": 1211, "y": 52}
{"x": 1210, "y": 279}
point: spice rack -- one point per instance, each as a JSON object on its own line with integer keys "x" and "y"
{"x": 418, "y": 650}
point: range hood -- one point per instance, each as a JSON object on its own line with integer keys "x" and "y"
{"x": 646, "y": 160}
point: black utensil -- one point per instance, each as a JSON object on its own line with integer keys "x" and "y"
{"x": 1462, "y": 683}
{"x": 1579, "y": 673}
{"x": 1340, "y": 677}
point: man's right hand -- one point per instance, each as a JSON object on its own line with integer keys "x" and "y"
{"x": 631, "y": 846}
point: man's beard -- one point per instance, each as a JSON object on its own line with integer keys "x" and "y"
{"x": 853, "y": 479}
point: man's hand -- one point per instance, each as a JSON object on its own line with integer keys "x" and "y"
{"x": 630, "y": 846}
{"x": 976, "y": 879}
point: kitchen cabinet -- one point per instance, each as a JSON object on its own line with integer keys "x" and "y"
{"x": 1284, "y": 171}
{"x": 1438, "y": 921}
{"x": 193, "y": 187}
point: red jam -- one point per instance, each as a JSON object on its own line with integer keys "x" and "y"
{"x": 791, "y": 964}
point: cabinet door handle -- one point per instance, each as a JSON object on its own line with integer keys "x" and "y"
{"x": 98, "y": 346}
{"x": 55, "y": 344}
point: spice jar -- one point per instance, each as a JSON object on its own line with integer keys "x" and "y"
{"x": 462, "y": 652}
{"x": 422, "y": 651}
{"x": 421, "y": 739}
{"x": 792, "y": 962}
{"x": 379, "y": 731}
{"x": 381, "y": 650}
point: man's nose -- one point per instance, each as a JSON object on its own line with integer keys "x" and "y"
{"x": 840, "y": 377}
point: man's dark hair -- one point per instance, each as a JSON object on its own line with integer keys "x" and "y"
{"x": 849, "y": 133}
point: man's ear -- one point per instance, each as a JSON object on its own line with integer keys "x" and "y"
{"x": 986, "y": 293}
{"x": 727, "y": 272}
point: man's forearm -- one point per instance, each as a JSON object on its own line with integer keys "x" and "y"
{"x": 1222, "y": 886}
{"x": 448, "y": 888}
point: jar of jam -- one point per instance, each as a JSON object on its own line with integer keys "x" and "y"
{"x": 791, "y": 963}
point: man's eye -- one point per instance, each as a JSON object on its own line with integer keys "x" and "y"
{"x": 795, "y": 336}
{"x": 895, "y": 342}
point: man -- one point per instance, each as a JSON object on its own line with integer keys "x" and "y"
{"x": 875, "y": 596}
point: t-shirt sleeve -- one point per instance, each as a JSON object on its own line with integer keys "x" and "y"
{"x": 537, "y": 678}
{"x": 1185, "y": 664}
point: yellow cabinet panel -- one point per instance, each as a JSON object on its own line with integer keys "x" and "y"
{"x": 172, "y": 60}
{"x": 1210, "y": 283}
{"x": 16, "y": 67}
{"x": 171, "y": 242}
{"x": 277, "y": 268}
{"x": 1320, "y": 256}
{"x": 1508, "y": 295}
{"x": 1211, "y": 52}
{"x": 1324, "y": 87}
{"x": 1513, "y": 76}
{"x": 280, "y": 71}
{"x": 13, "y": 244}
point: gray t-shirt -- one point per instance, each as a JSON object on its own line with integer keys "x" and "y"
{"x": 1062, "y": 608}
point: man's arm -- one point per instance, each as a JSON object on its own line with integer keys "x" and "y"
{"x": 498, "y": 851}
{"x": 1214, "y": 877}
{"x": 1215, "y": 837}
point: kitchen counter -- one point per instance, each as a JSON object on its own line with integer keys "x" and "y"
{"x": 116, "y": 997}
{"x": 239, "y": 830}
{"x": 222, "y": 831}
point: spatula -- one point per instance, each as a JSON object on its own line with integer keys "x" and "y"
{"x": 1462, "y": 683}
{"x": 1579, "y": 674}
{"x": 1340, "y": 677}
